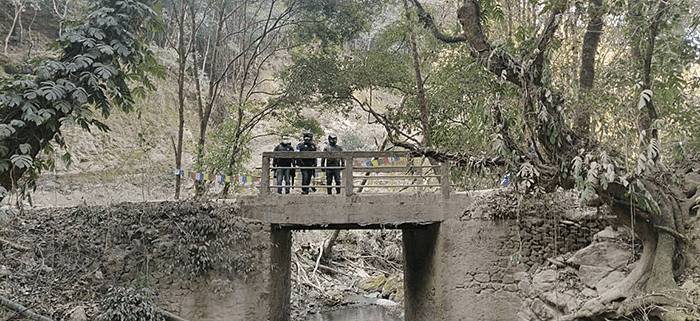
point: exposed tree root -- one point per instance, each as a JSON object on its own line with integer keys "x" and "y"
{"x": 169, "y": 316}
{"x": 663, "y": 305}
{"x": 25, "y": 312}
{"x": 650, "y": 288}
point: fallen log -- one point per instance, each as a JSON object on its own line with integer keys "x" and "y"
{"x": 14, "y": 245}
{"x": 25, "y": 312}
{"x": 169, "y": 316}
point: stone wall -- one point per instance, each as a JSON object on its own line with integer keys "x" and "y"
{"x": 546, "y": 238}
{"x": 490, "y": 254}
{"x": 477, "y": 272}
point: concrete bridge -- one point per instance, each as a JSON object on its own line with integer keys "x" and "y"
{"x": 418, "y": 213}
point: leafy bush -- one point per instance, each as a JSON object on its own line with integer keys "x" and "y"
{"x": 126, "y": 304}
{"x": 353, "y": 142}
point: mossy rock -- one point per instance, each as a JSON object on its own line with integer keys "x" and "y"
{"x": 393, "y": 288}
{"x": 373, "y": 283}
{"x": 393, "y": 284}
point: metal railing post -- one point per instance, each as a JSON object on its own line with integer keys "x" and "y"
{"x": 265, "y": 176}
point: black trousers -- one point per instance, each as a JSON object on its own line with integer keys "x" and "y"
{"x": 333, "y": 174}
{"x": 306, "y": 175}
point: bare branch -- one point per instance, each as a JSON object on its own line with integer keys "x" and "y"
{"x": 25, "y": 312}
{"x": 14, "y": 245}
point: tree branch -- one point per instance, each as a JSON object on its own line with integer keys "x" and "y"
{"x": 169, "y": 316}
{"x": 429, "y": 23}
{"x": 459, "y": 159}
{"x": 497, "y": 61}
{"x": 25, "y": 312}
{"x": 14, "y": 245}
{"x": 544, "y": 41}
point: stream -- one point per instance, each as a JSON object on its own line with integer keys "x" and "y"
{"x": 361, "y": 308}
{"x": 357, "y": 313}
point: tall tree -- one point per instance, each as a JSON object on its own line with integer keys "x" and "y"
{"x": 18, "y": 6}
{"x": 373, "y": 68}
{"x": 236, "y": 58}
{"x": 99, "y": 60}
{"x": 188, "y": 17}
{"x": 589, "y": 48}
{"x": 420, "y": 88}
{"x": 642, "y": 197}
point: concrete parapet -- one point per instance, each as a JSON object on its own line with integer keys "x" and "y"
{"x": 353, "y": 212}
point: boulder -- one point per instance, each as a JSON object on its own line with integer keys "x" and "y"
{"x": 77, "y": 314}
{"x": 606, "y": 254}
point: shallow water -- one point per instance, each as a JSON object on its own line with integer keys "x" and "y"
{"x": 360, "y": 313}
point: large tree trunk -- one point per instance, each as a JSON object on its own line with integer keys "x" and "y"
{"x": 420, "y": 90}
{"x": 657, "y": 229}
{"x": 591, "y": 40}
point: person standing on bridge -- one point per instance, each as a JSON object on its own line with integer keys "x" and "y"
{"x": 284, "y": 171}
{"x": 332, "y": 173}
{"x": 307, "y": 164}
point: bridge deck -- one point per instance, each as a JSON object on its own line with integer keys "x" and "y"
{"x": 358, "y": 211}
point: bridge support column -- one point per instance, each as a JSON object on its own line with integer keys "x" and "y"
{"x": 421, "y": 281}
{"x": 280, "y": 278}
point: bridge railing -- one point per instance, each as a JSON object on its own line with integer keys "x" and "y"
{"x": 366, "y": 170}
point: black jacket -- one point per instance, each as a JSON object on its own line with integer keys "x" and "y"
{"x": 307, "y": 162}
{"x": 332, "y": 161}
{"x": 283, "y": 162}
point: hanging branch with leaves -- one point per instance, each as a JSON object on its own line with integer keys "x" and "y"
{"x": 100, "y": 59}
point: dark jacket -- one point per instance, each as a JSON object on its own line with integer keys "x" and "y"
{"x": 307, "y": 162}
{"x": 283, "y": 162}
{"x": 332, "y": 161}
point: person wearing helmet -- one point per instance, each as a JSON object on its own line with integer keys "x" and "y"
{"x": 332, "y": 173}
{"x": 306, "y": 164}
{"x": 284, "y": 170}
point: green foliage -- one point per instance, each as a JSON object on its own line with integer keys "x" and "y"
{"x": 306, "y": 123}
{"x": 227, "y": 148}
{"x": 528, "y": 176}
{"x": 330, "y": 22}
{"x": 619, "y": 79}
{"x": 129, "y": 304}
{"x": 460, "y": 94}
{"x": 352, "y": 142}
{"x": 100, "y": 58}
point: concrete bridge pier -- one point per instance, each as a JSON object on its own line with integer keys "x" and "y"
{"x": 281, "y": 273}
{"x": 422, "y": 291}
